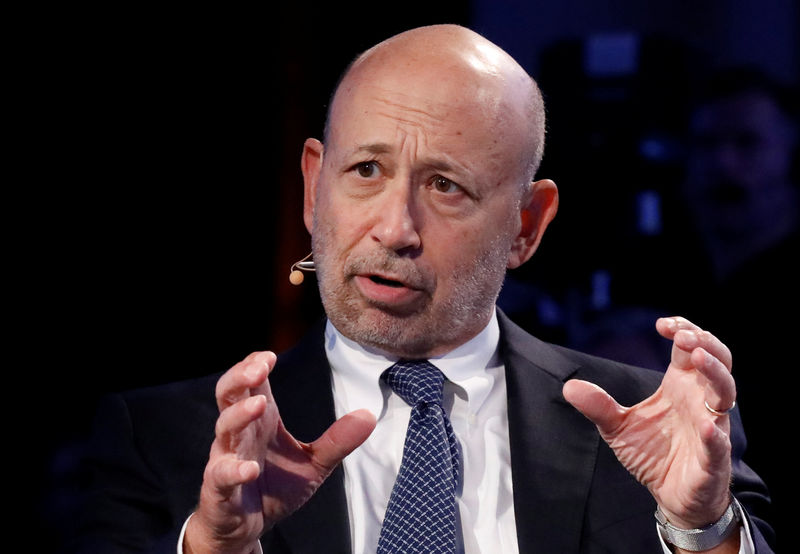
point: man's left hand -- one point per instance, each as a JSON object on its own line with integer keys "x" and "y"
{"x": 671, "y": 442}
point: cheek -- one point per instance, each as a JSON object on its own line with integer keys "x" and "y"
{"x": 337, "y": 227}
{"x": 457, "y": 254}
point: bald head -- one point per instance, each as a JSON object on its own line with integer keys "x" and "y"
{"x": 422, "y": 196}
{"x": 454, "y": 66}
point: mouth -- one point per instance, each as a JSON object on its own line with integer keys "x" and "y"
{"x": 388, "y": 292}
{"x": 385, "y": 282}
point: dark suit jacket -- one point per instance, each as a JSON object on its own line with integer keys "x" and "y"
{"x": 570, "y": 493}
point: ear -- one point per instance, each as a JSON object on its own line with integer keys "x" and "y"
{"x": 311, "y": 165}
{"x": 538, "y": 208}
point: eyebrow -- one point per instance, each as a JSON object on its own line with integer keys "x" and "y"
{"x": 374, "y": 148}
{"x": 386, "y": 148}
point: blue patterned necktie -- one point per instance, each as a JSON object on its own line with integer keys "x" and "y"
{"x": 421, "y": 516}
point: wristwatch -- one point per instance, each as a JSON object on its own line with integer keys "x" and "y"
{"x": 705, "y": 538}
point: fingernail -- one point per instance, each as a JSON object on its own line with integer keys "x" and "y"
{"x": 249, "y": 470}
{"x": 669, "y": 322}
{"x": 253, "y": 402}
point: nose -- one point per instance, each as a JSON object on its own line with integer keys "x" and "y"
{"x": 396, "y": 223}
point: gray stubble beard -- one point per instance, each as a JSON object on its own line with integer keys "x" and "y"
{"x": 452, "y": 322}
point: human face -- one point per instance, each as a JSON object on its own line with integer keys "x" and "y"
{"x": 414, "y": 205}
{"x": 739, "y": 170}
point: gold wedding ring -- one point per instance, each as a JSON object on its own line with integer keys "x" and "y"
{"x": 718, "y": 412}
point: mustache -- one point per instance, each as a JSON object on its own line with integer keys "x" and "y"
{"x": 390, "y": 265}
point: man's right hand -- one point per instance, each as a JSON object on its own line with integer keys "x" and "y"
{"x": 257, "y": 473}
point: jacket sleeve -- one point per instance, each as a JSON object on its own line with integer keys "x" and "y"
{"x": 750, "y": 490}
{"x": 126, "y": 506}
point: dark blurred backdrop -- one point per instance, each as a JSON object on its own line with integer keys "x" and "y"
{"x": 161, "y": 194}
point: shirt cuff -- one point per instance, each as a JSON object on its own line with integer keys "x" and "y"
{"x": 256, "y": 550}
{"x": 183, "y": 532}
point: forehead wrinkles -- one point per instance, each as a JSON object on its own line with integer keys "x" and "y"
{"x": 467, "y": 116}
{"x": 410, "y": 109}
{"x": 442, "y": 135}
{"x": 438, "y": 118}
{"x": 391, "y": 117}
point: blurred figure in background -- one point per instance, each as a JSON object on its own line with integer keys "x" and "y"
{"x": 740, "y": 182}
{"x": 742, "y": 192}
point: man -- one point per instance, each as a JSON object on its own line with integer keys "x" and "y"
{"x": 421, "y": 196}
{"x": 740, "y": 185}
{"x": 741, "y": 189}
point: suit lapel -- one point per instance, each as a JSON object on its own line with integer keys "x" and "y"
{"x": 553, "y": 447}
{"x": 301, "y": 385}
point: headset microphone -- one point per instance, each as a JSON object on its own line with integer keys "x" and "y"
{"x": 296, "y": 276}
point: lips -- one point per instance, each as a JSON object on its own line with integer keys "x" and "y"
{"x": 387, "y": 290}
{"x": 387, "y": 282}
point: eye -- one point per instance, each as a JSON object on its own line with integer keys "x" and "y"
{"x": 442, "y": 184}
{"x": 367, "y": 170}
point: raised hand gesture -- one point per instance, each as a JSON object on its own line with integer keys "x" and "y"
{"x": 675, "y": 442}
{"x": 257, "y": 473}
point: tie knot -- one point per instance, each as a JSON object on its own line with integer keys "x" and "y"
{"x": 416, "y": 381}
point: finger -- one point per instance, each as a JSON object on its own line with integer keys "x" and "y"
{"x": 237, "y": 382}
{"x": 687, "y": 336}
{"x": 668, "y": 326}
{"x": 671, "y": 328}
{"x": 596, "y": 404}
{"x": 226, "y": 473}
{"x": 689, "y": 340}
{"x": 233, "y": 420}
{"x": 720, "y": 391}
{"x": 697, "y": 349}
{"x": 716, "y": 443}
{"x": 345, "y": 435}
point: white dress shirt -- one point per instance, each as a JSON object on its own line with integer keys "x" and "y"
{"x": 475, "y": 400}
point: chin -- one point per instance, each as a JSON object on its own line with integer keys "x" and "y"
{"x": 399, "y": 335}
{"x": 416, "y": 336}
{"x": 429, "y": 328}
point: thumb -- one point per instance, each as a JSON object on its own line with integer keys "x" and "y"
{"x": 342, "y": 437}
{"x": 594, "y": 403}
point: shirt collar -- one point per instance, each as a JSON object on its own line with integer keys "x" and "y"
{"x": 359, "y": 368}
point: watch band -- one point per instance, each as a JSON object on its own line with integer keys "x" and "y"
{"x": 704, "y": 538}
